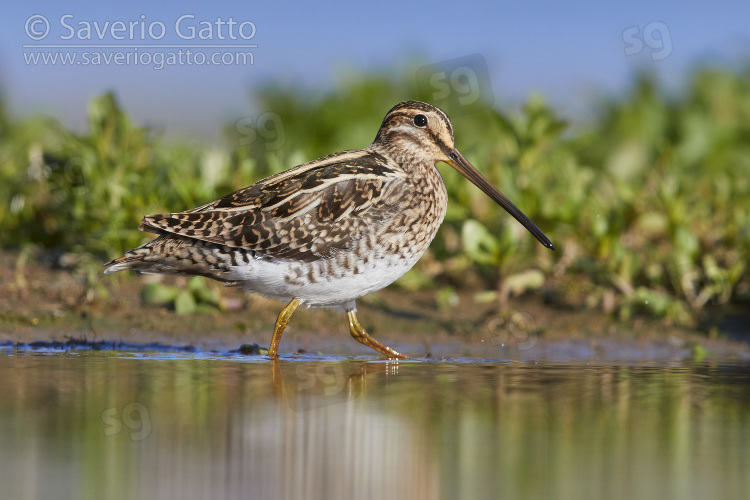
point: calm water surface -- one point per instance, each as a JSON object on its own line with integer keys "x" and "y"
{"x": 110, "y": 425}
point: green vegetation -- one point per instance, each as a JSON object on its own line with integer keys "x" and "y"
{"x": 648, "y": 204}
{"x": 196, "y": 297}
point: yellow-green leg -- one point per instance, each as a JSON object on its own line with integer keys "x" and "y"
{"x": 363, "y": 337}
{"x": 284, "y": 317}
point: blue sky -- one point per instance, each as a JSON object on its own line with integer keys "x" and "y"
{"x": 570, "y": 52}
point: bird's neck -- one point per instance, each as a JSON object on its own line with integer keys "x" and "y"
{"x": 407, "y": 155}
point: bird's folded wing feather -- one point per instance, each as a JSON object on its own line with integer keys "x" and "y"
{"x": 307, "y": 213}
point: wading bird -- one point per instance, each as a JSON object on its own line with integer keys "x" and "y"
{"x": 327, "y": 232}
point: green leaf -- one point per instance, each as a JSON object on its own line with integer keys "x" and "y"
{"x": 185, "y": 303}
{"x": 157, "y": 293}
{"x": 480, "y": 245}
{"x": 531, "y": 279}
{"x": 197, "y": 284}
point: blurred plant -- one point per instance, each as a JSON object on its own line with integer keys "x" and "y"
{"x": 86, "y": 193}
{"x": 647, "y": 204}
{"x": 197, "y": 297}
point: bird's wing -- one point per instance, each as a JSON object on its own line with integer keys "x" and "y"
{"x": 310, "y": 212}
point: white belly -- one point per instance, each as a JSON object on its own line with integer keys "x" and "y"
{"x": 326, "y": 284}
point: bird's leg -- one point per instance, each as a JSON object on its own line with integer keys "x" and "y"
{"x": 284, "y": 317}
{"x": 363, "y": 337}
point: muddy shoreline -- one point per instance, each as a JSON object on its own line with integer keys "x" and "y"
{"x": 39, "y": 303}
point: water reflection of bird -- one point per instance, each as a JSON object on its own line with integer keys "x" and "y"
{"x": 327, "y": 232}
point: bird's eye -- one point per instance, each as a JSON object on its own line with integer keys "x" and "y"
{"x": 420, "y": 120}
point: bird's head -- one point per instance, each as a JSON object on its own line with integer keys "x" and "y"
{"x": 417, "y": 130}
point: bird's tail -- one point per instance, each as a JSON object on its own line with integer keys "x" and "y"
{"x": 181, "y": 256}
{"x": 138, "y": 259}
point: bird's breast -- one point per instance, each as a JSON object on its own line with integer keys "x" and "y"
{"x": 420, "y": 207}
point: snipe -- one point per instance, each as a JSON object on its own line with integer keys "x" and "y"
{"x": 327, "y": 232}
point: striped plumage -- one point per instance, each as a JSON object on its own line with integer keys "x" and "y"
{"x": 327, "y": 232}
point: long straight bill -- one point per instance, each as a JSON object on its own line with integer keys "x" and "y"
{"x": 466, "y": 169}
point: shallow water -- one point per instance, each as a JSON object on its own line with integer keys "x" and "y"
{"x": 115, "y": 424}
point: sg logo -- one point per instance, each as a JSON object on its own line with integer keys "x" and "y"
{"x": 134, "y": 416}
{"x": 518, "y": 330}
{"x": 655, "y": 36}
{"x": 460, "y": 85}
{"x": 268, "y": 127}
